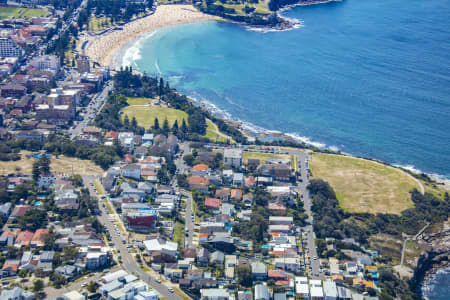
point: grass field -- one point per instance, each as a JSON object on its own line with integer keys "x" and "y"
{"x": 139, "y": 101}
{"x": 20, "y": 12}
{"x": 211, "y": 133}
{"x": 260, "y": 7}
{"x": 363, "y": 185}
{"x": 61, "y": 165}
{"x": 263, "y": 156}
{"x": 145, "y": 115}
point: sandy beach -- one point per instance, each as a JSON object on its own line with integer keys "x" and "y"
{"x": 103, "y": 48}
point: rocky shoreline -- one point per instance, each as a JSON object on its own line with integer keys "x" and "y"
{"x": 432, "y": 260}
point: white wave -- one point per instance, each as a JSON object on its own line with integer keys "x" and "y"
{"x": 157, "y": 68}
{"x": 295, "y": 25}
{"x": 306, "y": 140}
{"x": 133, "y": 51}
{"x": 415, "y": 170}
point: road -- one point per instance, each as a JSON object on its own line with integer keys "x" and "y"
{"x": 308, "y": 232}
{"x": 189, "y": 224}
{"x": 128, "y": 262}
{"x": 91, "y": 110}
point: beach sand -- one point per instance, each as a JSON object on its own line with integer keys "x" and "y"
{"x": 103, "y": 48}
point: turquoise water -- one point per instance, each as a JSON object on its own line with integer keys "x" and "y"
{"x": 371, "y": 78}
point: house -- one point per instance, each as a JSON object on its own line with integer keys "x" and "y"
{"x": 38, "y": 237}
{"x": 207, "y": 157}
{"x": 212, "y": 204}
{"x": 247, "y": 199}
{"x": 9, "y": 270}
{"x": 17, "y": 294}
{"x": 281, "y": 172}
{"x": 200, "y": 170}
{"x": 97, "y": 259}
{"x": 223, "y": 194}
{"x": 67, "y": 271}
{"x": 330, "y": 290}
{"x": 46, "y": 180}
{"x": 238, "y": 179}
{"x": 24, "y": 238}
{"x": 5, "y": 209}
{"x": 217, "y": 257}
{"x": 316, "y": 291}
{"x": 214, "y": 294}
{"x": 245, "y": 295}
{"x": 344, "y": 293}
{"x": 165, "y": 247}
{"x": 259, "y": 271}
{"x": 227, "y": 176}
{"x": 236, "y": 194}
{"x": 203, "y": 257}
{"x": 131, "y": 171}
{"x": 262, "y": 292}
{"x": 290, "y": 264}
{"x": 232, "y": 157}
{"x": 301, "y": 288}
{"x": 228, "y": 209}
{"x": 199, "y": 183}
{"x": 147, "y": 139}
{"x": 195, "y": 274}
{"x": 279, "y": 220}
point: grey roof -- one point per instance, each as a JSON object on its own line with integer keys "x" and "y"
{"x": 279, "y": 296}
{"x": 261, "y": 292}
{"x": 47, "y": 255}
{"x": 258, "y": 267}
{"x": 245, "y": 295}
{"x": 13, "y": 294}
{"x": 217, "y": 256}
{"x": 4, "y": 208}
{"x": 113, "y": 285}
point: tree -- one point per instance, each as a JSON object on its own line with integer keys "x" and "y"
{"x": 22, "y": 273}
{"x": 38, "y": 285}
{"x": 126, "y": 121}
{"x": 244, "y": 275}
{"x": 33, "y": 219}
{"x": 134, "y": 123}
{"x": 161, "y": 87}
{"x": 184, "y": 129}
{"x": 175, "y": 128}
{"x": 92, "y": 287}
{"x": 166, "y": 127}
{"x": 156, "y": 124}
{"x": 36, "y": 171}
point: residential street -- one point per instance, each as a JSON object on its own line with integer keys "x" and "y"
{"x": 308, "y": 232}
{"x": 128, "y": 261}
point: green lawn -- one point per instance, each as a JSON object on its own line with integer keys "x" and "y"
{"x": 260, "y": 7}
{"x": 96, "y": 24}
{"x": 211, "y": 133}
{"x": 178, "y": 234}
{"x": 139, "y": 101}
{"x": 363, "y": 185}
{"x": 20, "y": 12}
{"x": 145, "y": 115}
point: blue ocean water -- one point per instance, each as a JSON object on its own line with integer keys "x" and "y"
{"x": 370, "y": 78}
{"x": 438, "y": 286}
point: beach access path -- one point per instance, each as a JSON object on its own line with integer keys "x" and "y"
{"x": 102, "y": 48}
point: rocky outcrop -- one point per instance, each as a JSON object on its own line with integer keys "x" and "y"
{"x": 437, "y": 257}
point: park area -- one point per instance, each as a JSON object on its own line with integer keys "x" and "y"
{"x": 145, "y": 114}
{"x": 21, "y": 13}
{"x": 62, "y": 164}
{"x": 363, "y": 185}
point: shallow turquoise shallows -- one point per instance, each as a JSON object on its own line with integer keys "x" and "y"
{"x": 370, "y": 78}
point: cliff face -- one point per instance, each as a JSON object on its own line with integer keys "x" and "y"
{"x": 437, "y": 257}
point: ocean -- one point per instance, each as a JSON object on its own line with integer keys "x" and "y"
{"x": 369, "y": 78}
{"x": 438, "y": 286}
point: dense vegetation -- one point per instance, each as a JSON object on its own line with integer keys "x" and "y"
{"x": 331, "y": 221}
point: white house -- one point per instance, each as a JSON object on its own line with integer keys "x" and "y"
{"x": 232, "y": 157}
{"x": 315, "y": 287}
{"x": 330, "y": 290}
{"x": 290, "y": 264}
{"x": 131, "y": 171}
{"x": 214, "y": 294}
{"x": 301, "y": 287}
{"x": 166, "y": 247}
{"x": 46, "y": 180}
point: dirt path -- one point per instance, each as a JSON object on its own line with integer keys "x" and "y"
{"x": 216, "y": 129}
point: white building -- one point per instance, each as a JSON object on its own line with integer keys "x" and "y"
{"x": 46, "y": 62}
{"x": 315, "y": 287}
{"x": 301, "y": 287}
{"x": 166, "y": 247}
{"x": 330, "y": 290}
{"x": 214, "y": 294}
{"x": 46, "y": 180}
{"x": 131, "y": 171}
{"x": 290, "y": 264}
{"x": 232, "y": 157}
{"x": 127, "y": 140}
{"x": 9, "y": 48}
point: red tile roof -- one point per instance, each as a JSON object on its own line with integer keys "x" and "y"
{"x": 212, "y": 202}
{"x": 198, "y": 180}
{"x": 37, "y": 237}
{"x": 200, "y": 167}
{"x": 236, "y": 193}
